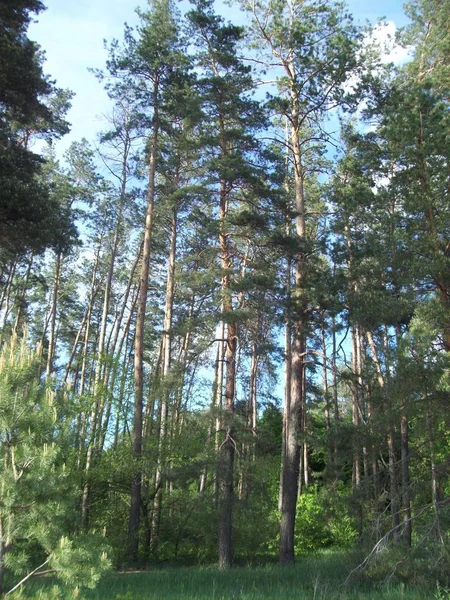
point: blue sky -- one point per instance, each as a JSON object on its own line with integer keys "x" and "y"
{"x": 72, "y": 34}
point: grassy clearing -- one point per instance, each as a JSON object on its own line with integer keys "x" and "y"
{"x": 313, "y": 579}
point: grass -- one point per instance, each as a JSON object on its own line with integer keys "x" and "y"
{"x": 318, "y": 578}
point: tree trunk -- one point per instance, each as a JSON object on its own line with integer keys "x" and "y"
{"x": 112, "y": 255}
{"x": 166, "y": 356}
{"x": 326, "y": 395}
{"x": 7, "y": 294}
{"x": 21, "y": 300}
{"x": 294, "y": 413}
{"x": 53, "y": 315}
{"x": 392, "y": 468}
{"x": 287, "y": 375}
{"x": 110, "y": 381}
{"x": 216, "y": 405}
{"x": 252, "y": 398}
{"x": 135, "y": 503}
{"x": 227, "y": 448}
{"x": 356, "y": 390}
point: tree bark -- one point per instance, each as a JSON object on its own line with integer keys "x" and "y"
{"x": 390, "y": 442}
{"x": 53, "y": 315}
{"x": 166, "y": 356}
{"x": 135, "y": 500}
{"x": 294, "y": 413}
{"x": 227, "y": 448}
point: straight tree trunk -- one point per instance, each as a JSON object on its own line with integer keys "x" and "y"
{"x": 227, "y": 448}
{"x": 326, "y": 395}
{"x": 135, "y": 500}
{"x": 390, "y": 442}
{"x": 53, "y": 316}
{"x": 294, "y": 416}
{"x": 433, "y": 471}
{"x": 6, "y": 289}
{"x": 166, "y": 356}
{"x": 287, "y": 376}
{"x": 75, "y": 347}
{"x": 252, "y": 399}
{"x": 6, "y": 301}
{"x": 356, "y": 388}
{"x": 21, "y": 300}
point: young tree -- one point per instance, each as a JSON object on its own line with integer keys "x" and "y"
{"x": 37, "y": 495}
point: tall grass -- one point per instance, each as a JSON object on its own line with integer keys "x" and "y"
{"x": 319, "y": 578}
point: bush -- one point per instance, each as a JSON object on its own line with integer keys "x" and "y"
{"x": 323, "y": 522}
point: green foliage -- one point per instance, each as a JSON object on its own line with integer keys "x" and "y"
{"x": 37, "y": 496}
{"x": 81, "y": 560}
{"x": 420, "y": 566}
{"x": 441, "y": 593}
{"x": 30, "y": 218}
{"x": 385, "y": 218}
{"x": 323, "y": 521}
{"x": 49, "y": 593}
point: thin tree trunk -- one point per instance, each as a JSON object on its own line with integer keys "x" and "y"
{"x": 165, "y": 392}
{"x": 356, "y": 388}
{"x": 21, "y": 301}
{"x": 211, "y": 428}
{"x": 135, "y": 504}
{"x": 227, "y": 448}
{"x": 110, "y": 382}
{"x": 253, "y": 393}
{"x": 53, "y": 315}
{"x": 112, "y": 262}
{"x": 390, "y": 442}
{"x": 326, "y": 395}
{"x": 92, "y": 296}
{"x": 75, "y": 347}
{"x": 7, "y": 294}
{"x": 127, "y": 359}
{"x": 434, "y": 480}
{"x": 6, "y": 288}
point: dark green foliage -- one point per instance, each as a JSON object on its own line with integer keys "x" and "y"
{"x": 30, "y": 219}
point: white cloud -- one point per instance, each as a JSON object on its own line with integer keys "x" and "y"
{"x": 383, "y": 36}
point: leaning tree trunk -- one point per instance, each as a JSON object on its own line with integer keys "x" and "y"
{"x": 111, "y": 376}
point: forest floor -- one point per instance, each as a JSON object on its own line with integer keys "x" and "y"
{"x": 318, "y": 578}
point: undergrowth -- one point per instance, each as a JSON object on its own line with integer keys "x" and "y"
{"x": 318, "y": 578}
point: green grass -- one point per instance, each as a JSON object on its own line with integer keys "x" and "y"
{"x": 317, "y": 578}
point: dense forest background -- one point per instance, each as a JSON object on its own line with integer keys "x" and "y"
{"x": 225, "y": 328}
